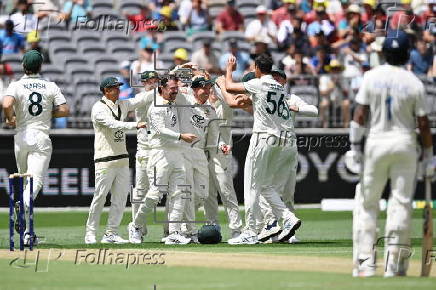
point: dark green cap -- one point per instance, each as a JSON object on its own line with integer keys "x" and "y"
{"x": 248, "y": 76}
{"x": 109, "y": 82}
{"x": 32, "y": 60}
{"x": 149, "y": 75}
{"x": 279, "y": 72}
{"x": 201, "y": 81}
{"x": 209, "y": 234}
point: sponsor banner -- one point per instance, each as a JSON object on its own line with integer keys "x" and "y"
{"x": 70, "y": 178}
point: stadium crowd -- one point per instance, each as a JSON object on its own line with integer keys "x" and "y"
{"x": 330, "y": 42}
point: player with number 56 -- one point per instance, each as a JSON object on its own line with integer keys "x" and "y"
{"x": 29, "y": 105}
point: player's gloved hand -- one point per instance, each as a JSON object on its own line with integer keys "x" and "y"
{"x": 353, "y": 159}
{"x": 428, "y": 162}
{"x": 141, "y": 125}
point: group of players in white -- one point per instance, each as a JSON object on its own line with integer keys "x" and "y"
{"x": 184, "y": 151}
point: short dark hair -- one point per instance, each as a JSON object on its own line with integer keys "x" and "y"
{"x": 264, "y": 62}
{"x": 396, "y": 58}
{"x": 163, "y": 81}
{"x": 32, "y": 71}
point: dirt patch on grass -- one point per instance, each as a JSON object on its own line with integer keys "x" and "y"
{"x": 241, "y": 261}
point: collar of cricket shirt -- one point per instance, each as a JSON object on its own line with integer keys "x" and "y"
{"x": 112, "y": 106}
{"x": 32, "y": 76}
{"x": 267, "y": 77}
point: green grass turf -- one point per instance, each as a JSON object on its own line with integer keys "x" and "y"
{"x": 322, "y": 234}
{"x": 66, "y": 275}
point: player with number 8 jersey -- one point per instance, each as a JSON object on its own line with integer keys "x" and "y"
{"x": 29, "y": 105}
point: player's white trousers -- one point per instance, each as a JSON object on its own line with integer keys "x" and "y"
{"x": 197, "y": 179}
{"x": 115, "y": 180}
{"x": 142, "y": 182}
{"x": 221, "y": 181}
{"x": 287, "y": 192}
{"x": 394, "y": 159}
{"x": 166, "y": 173}
{"x": 33, "y": 153}
{"x": 267, "y": 168}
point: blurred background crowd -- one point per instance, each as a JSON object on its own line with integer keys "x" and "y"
{"x": 323, "y": 46}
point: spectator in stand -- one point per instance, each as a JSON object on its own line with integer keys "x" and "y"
{"x": 274, "y": 4}
{"x": 143, "y": 21}
{"x": 145, "y": 62}
{"x": 23, "y": 17}
{"x": 33, "y": 39}
{"x": 198, "y": 19}
{"x": 421, "y": 59}
{"x": 320, "y": 23}
{"x": 336, "y": 10}
{"x": 331, "y": 90}
{"x": 353, "y": 58}
{"x": 404, "y": 17}
{"x": 6, "y": 76}
{"x": 242, "y": 60}
{"x": 320, "y": 60}
{"x": 126, "y": 91}
{"x": 286, "y": 12}
{"x": 12, "y": 42}
{"x": 166, "y": 17}
{"x": 261, "y": 27}
{"x": 180, "y": 57}
{"x": 151, "y": 39}
{"x": 184, "y": 11}
{"x": 206, "y": 59}
{"x": 76, "y": 11}
{"x": 43, "y": 8}
{"x": 295, "y": 63}
{"x": 260, "y": 47}
{"x": 230, "y": 19}
{"x": 351, "y": 23}
{"x": 368, "y": 6}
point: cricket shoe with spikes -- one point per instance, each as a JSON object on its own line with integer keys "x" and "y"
{"x": 365, "y": 268}
{"x": 245, "y": 238}
{"x": 177, "y": 239}
{"x": 289, "y": 228}
{"x": 270, "y": 230}
{"x": 110, "y": 238}
{"x": 135, "y": 234}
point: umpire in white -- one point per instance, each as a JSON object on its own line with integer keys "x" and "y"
{"x": 111, "y": 159}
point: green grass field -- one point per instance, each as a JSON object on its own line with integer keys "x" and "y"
{"x": 322, "y": 260}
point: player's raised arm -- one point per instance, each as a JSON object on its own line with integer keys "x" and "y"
{"x": 233, "y": 101}
{"x": 299, "y": 106}
{"x": 231, "y": 86}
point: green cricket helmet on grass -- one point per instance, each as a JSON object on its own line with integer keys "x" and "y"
{"x": 209, "y": 234}
{"x": 32, "y": 60}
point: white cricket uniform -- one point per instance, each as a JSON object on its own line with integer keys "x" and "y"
{"x": 35, "y": 99}
{"x": 111, "y": 161}
{"x": 288, "y": 191}
{"x": 271, "y": 152}
{"x": 395, "y": 97}
{"x": 165, "y": 167}
{"x": 142, "y": 153}
{"x": 195, "y": 120}
{"x": 220, "y": 170}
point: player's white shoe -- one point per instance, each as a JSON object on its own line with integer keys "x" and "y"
{"x": 90, "y": 239}
{"x": 245, "y": 238}
{"x": 289, "y": 228}
{"x": 294, "y": 240}
{"x": 113, "y": 239}
{"x": 177, "y": 239}
{"x": 27, "y": 238}
{"x": 235, "y": 234}
{"x": 270, "y": 230}
{"x": 365, "y": 268}
{"x": 135, "y": 234}
{"x": 163, "y": 239}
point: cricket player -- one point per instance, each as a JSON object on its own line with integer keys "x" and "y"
{"x": 297, "y": 107}
{"x": 166, "y": 170}
{"x": 29, "y": 104}
{"x": 111, "y": 159}
{"x": 220, "y": 165}
{"x": 271, "y": 150}
{"x": 395, "y": 99}
{"x": 150, "y": 80}
{"x": 198, "y": 117}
